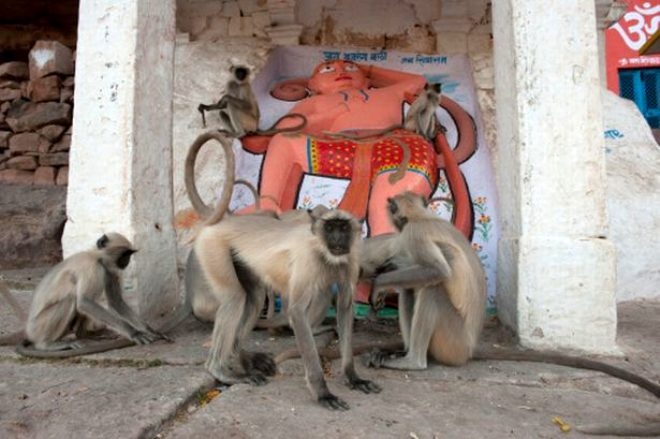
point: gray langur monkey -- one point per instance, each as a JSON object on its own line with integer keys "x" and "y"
{"x": 239, "y": 109}
{"x": 421, "y": 116}
{"x": 442, "y": 282}
{"x": 236, "y": 258}
{"x": 68, "y": 300}
{"x": 442, "y": 294}
{"x": 302, "y": 263}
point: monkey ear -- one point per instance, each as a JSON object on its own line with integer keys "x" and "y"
{"x": 102, "y": 241}
{"x": 290, "y": 90}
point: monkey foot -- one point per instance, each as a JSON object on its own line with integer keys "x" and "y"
{"x": 364, "y": 386}
{"x": 145, "y": 337}
{"x": 260, "y": 362}
{"x": 227, "y": 375}
{"x": 331, "y": 402}
{"x": 257, "y": 378}
{"x": 378, "y": 358}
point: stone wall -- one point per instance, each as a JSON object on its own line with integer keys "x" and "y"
{"x": 36, "y": 99}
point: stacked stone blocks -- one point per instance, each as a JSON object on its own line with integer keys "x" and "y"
{"x": 36, "y": 101}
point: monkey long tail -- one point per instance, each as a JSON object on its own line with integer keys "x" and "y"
{"x": 210, "y": 215}
{"x": 273, "y": 130}
{"x": 647, "y": 429}
{"x": 570, "y": 361}
{"x": 26, "y": 349}
{"x": 403, "y": 165}
{"x": 332, "y": 353}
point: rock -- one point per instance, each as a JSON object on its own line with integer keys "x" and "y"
{"x": 13, "y": 176}
{"x": 44, "y": 89}
{"x": 4, "y": 138}
{"x": 56, "y": 159}
{"x": 14, "y": 70}
{"x": 44, "y": 145}
{"x": 64, "y": 144}
{"x": 23, "y": 162}
{"x": 31, "y": 224}
{"x": 52, "y": 132}
{"x": 633, "y": 196}
{"x": 9, "y": 94}
{"x": 62, "y": 176}
{"x": 66, "y": 94}
{"x": 45, "y": 175}
{"x": 29, "y": 116}
{"x": 48, "y": 57}
{"x": 9, "y": 83}
{"x": 24, "y": 142}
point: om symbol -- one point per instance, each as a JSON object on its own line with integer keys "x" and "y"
{"x": 638, "y": 30}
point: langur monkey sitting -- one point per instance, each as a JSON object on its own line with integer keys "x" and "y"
{"x": 239, "y": 109}
{"x": 421, "y": 116}
{"x": 443, "y": 296}
{"x": 67, "y": 300}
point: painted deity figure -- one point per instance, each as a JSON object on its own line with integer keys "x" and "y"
{"x": 346, "y": 105}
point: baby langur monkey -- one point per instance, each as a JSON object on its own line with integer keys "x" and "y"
{"x": 67, "y": 300}
{"x": 239, "y": 109}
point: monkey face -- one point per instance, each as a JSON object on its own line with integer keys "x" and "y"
{"x": 338, "y": 236}
{"x": 334, "y": 76}
{"x": 240, "y": 72}
{"x": 125, "y": 258}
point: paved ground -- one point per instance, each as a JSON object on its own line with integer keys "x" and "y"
{"x": 162, "y": 391}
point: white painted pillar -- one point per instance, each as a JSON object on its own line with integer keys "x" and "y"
{"x": 120, "y": 175}
{"x": 556, "y": 269}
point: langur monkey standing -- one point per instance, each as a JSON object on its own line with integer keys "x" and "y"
{"x": 235, "y": 259}
{"x": 67, "y": 300}
{"x": 239, "y": 109}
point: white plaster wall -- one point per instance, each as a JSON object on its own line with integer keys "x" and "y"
{"x": 633, "y": 197}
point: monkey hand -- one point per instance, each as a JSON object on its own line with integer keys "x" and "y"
{"x": 331, "y": 402}
{"x": 145, "y": 337}
{"x": 158, "y": 335}
{"x": 377, "y": 298}
{"x": 364, "y": 386}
